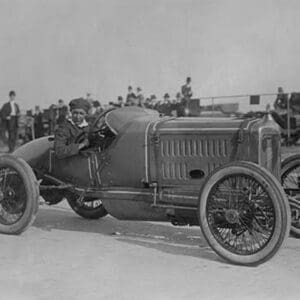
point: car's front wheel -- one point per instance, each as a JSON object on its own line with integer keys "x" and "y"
{"x": 244, "y": 213}
{"x": 88, "y": 208}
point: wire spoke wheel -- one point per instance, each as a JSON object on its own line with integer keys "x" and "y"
{"x": 19, "y": 195}
{"x": 295, "y": 213}
{"x": 12, "y": 196}
{"x": 243, "y": 213}
{"x": 88, "y": 208}
{"x": 290, "y": 180}
{"x": 240, "y": 214}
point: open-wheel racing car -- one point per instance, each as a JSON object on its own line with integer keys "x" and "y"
{"x": 221, "y": 174}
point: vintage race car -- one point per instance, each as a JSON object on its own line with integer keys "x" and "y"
{"x": 221, "y": 174}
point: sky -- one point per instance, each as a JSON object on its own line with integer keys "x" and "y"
{"x": 66, "y": 48}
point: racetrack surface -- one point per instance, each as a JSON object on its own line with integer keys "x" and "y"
{"x": 63, "y": 256}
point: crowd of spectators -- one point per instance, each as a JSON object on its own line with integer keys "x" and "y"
{"x": 167, "y": 106}
{"x": 41, "y": 122}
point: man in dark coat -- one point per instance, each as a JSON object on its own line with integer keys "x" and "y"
{"x": 38, "y": 122}
{"x": 62, "y": 112}
{"x": 165, "y": 108}
{"x": 65, "y": 140}
{"x": 10, "y": 113}
{"x": 186, "y": 89}
{"x": 130, "y": 95}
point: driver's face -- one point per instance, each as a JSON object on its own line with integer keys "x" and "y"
{"x": 78, "y": 115}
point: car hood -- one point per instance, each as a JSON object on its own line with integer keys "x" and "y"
{"x": 118, "y": 119}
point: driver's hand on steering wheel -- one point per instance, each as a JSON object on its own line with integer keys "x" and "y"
{"x": 84, "y": 144}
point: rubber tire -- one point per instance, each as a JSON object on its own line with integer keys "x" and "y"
{"x": 52, "y": 197}
{"x": 282, "y": 212}
{"x": 295, "y": 232}
{"x": 94, "y": 214}
{"x": 32, "y": 194}
{"x": 288, "y": 163}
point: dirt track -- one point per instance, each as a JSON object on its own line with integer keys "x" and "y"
{"x": 65, "y": 257}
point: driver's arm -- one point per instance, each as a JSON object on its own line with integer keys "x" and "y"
{"x": 64, "y": 142}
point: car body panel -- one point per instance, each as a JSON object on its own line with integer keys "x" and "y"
{"x": 123, "y": 164}
{"x": 155, "y": 167}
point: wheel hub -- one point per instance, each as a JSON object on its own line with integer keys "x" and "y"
{"x": 9, "y": 202}
{"x": 232, "y": 216}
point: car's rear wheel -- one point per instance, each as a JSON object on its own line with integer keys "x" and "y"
{"x": 290, "y": 180}
{"x": 19, "y": 195}
{"x": 244, "y": 213}
{"x": 88, "y": 208}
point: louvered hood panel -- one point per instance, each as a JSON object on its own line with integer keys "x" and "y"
{"x": 187, "y": 150}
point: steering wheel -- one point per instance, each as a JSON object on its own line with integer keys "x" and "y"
{"x": 97, "y": 129}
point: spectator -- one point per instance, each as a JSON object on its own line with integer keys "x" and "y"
{"x": 148, "y": 103}
{"x": 280, "y": 103}
{"x": 97, "y": 106}
{"x": 132, "y": 100}
{"x": 173, "y": 107}
{"x": 186, "y": 90}
{"x": 38, "y": 122}
{"x": 89, "y": 98}
{"x": 140, "y": 97}
{"x": 178, "y": 97}
{"x": 52, "y": 118}
{"x": 157, "y": 105}
{"x": 166, "y": 98}
{"x": 61, "y": 112}
{"x": 2, "y": 130}
{"x": 165, "y": 108}
{"x": 94, "y": 111}
{"x": 179, "y": 105}
{"x": 153, "y": 100}
{"x": 120, "y": 102}
{"x": 130, "y": 94}
{"x": 10, "y": 114}
{"x": 111, "y": 105}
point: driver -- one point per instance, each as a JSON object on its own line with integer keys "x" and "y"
{"x": 66, "y": 137}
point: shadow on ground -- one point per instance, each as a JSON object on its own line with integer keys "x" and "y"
{"x": 162, "y": 237}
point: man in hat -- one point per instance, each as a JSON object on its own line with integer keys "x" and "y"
{"x": 120, "y": 102}
{"x": 165, "y": 108}
{"x": 186, "y": 89}
{"x": 62, "y": 112}
{"x": 179, "y": 105}
{"x": 280, "y": 103}
{"x": 152, "y": 102}
{"x": 132, "y": 100}
{"x": 140, "y": 97}
{"x": 65, "y": 141}
{"x": 10, "y": 113}
{"x": 130, "y": 95}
